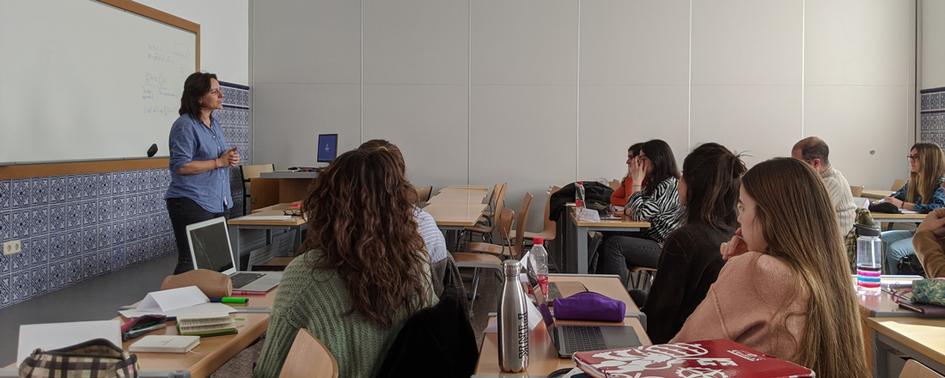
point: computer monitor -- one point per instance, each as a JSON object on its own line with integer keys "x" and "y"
{"x": 210, "y": 246}
{"x": 327, "y": 147}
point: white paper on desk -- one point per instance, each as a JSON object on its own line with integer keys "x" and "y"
{"x": 172, "y": 299}
{"x": 588, "y": 215}
{"x": 57, "y": 335}
{"x": 861, "y": 203}
{"x": 267, "y": 217}
{"x": 200, "y": 310}
{"x": 534, "y": 317}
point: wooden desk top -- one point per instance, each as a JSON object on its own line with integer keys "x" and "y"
{"x": 882, "y": 303}
{"x": 614, "y": 223}
{"x": 876, "y": 193}
{"x": 542, "y": 355}
{"x": 926, "y": 336}
{"x": 248, "y": 220}
{"x": 466, "y": 187}
{"x": 459, "y": 214}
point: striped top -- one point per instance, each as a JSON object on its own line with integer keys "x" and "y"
{"x": 431, "y": 234}
{"x": 842, "y": 199}
{"x": 318, "y": 301}
{"x": 660, "y": 208}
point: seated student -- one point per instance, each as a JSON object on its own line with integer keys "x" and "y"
{"x": 814, "y": 151}
{"x": 433, "y": 238}
{"x": 784, "y": 289}
{"x": 922, "y": 193}
{"x": 622, "y": 193}
{"x": 690, "y": 262}
{"x": 365, "y": 271}
{"x": 929, "y": 244}
{"x": 654, "y": 198}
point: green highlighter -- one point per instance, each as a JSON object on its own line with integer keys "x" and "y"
{"x": 230, "y": 300}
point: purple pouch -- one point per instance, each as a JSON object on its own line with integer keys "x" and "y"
{"x": 590, "y": 306}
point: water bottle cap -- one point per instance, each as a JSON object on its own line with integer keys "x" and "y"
{"x": 538, "y": 240}
{"x": 862, "y": 230}
{"x": 511, "y": 267}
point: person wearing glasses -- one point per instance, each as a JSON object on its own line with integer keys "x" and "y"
{"x": 199, "y": 162}
{"x": 922, "y": 193}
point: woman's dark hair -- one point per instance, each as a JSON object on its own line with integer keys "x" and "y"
{"x": 196, "y": 86}
{"x": 635, "y": 149}
{"x": 360, "y": 215}
{"x": 664, "y": 164}
{"x": 712, "y": 175}
{"x": 383, "y": 143}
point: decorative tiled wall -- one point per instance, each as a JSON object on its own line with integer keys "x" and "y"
{"x": 932, "y": 120}
{"x": 81, "y": 226}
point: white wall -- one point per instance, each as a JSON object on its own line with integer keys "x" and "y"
{"x": 224, "y": 32}
{"x": 539, "y": 92}
{"x": 933, "y": 44}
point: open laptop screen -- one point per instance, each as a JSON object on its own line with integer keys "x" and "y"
{"x": 210, "y": 245}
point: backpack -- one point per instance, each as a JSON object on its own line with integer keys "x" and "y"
{"x": 93, "y": 358}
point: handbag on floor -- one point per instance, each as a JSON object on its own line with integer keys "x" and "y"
{"x": 93, "y": 358}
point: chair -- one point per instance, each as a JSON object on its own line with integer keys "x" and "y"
{"x": 308, "y": 358}
{"x": 248, "y": 172}
{"x": 915, "y": 369}
{"x": 897, "y": 184}
{"x": 477, "y": 260}
{"x": 641, "y": 277}
{"x": 423, "y": 193}
{"x": 549, "y": 231}
{"x": 487, "y": 224}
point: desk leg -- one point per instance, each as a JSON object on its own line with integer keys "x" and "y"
{"x": 581, "y": 250}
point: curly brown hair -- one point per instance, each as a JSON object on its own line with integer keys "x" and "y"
{"x": 361, "y": 216}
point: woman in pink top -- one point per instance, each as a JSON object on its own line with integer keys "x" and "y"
{"x": 785, "y": 289}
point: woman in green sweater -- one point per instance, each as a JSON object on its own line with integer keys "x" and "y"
{"x": 365, "y": 271}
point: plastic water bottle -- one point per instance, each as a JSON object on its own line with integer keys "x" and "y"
{"x": 869, "y": 260}
{"x": 579, "y": 194}
{"x": 539, "y": 258}
{"x": 513, "y": 321}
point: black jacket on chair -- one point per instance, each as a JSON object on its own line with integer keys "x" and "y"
{"x": 435, "y": 342}
{"x": 596, "y": 196}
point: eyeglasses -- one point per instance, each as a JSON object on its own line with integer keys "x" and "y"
{"x": 912, "y": 157}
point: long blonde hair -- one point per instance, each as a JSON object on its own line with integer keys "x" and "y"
{"x": 922, "y": 184}
{"x": 800, "y": 227}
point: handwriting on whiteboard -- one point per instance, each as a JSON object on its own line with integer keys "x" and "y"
{"x": 159, "y": 87}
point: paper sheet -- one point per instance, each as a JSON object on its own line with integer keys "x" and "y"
{"x": 203, "y": 309}
{"x": 57, "y": 335}
{"x": 588, "y": 215}
{"x": 172, "y": 299}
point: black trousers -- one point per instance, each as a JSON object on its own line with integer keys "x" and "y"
{"x": 183, "y": 212}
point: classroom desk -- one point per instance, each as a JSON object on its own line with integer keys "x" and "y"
{"x": 279, "y": 187}
{"x": 212, "y": 352}
{"x": 248, "y": 222}
{"x": 457, "y": 207}
{"x": 879, "y": 305}
{"x": 919, "y": 339}
{"x": 584, "y": 227}
{"x": 542, "y": 355}
{"x": 876, "y": 193}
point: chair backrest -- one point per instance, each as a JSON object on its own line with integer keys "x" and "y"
{"x": 497, "y": 209}
{"x": 504, "y": 224}
{"x": 253, "y": 171}
{"x": 309, "y": 358}
{"x": 915, "y": 369}
{"x": 519, "y": 242}
{"x": 897, "y": 184}
{"x": 423, "y": 193}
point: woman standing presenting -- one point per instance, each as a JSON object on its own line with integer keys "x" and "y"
{"x": 200, "y": 158}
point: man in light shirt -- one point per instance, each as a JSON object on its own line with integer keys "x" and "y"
{"x": 814, "y": 151}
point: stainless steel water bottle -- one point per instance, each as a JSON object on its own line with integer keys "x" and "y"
{"x": 513, "y": 321}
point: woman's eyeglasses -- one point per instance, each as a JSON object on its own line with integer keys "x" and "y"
{"x": 912, "y": 157}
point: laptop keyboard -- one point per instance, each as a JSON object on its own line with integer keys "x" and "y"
{"x": 243, "y": 279}
{"x": 580, "y": 339}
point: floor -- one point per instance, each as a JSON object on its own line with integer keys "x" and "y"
{"x": 100, "y": 297}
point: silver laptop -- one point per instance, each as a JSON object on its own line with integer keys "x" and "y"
{"x": 572, "y": 338}
{"x": 210, "y": 249}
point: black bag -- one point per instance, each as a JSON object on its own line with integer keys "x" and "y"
{"x": 910, "y": 265}
{"x": 93, "y": 358}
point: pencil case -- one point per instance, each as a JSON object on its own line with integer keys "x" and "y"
{"x": 590, "y": 306}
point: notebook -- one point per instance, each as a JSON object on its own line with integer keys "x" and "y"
{"x": 710, "y": 358}
{"x": 165, "y": 344}
{"x": 215, "y": 325}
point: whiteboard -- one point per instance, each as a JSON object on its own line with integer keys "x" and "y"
{"x": 83, "y": 80}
